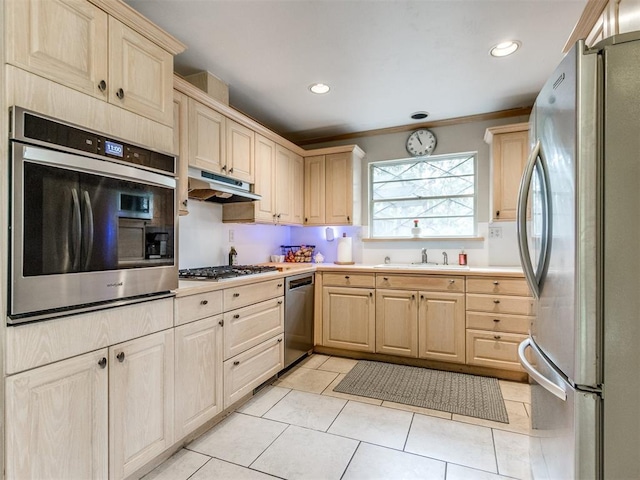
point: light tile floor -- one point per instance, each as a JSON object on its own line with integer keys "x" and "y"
{"x": 299, "y": 428}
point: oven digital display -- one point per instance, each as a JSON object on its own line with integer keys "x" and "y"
{"x": 113, "y": 148}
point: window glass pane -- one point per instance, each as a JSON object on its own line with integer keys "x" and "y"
{"x": 438, "y": 191}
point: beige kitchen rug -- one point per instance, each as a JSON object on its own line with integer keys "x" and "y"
{"x": 469, "y": 395}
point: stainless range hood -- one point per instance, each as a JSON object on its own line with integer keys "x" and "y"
{"x": 212, "y": 187}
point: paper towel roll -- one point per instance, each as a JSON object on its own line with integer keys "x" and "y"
{"x": 344, "y": 249}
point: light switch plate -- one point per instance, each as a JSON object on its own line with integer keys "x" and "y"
{"x": 495, "y": 232}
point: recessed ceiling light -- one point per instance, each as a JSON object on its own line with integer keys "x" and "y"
{"x": 505, "y": 48}
{"x": 419, "y": 115}
{"x": 319, "y": 88}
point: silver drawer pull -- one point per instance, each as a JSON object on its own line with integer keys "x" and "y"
{"x": 221, "y": 323}
{"x": 236, "y": 362}
{"x": 236, "y": 316}
{"x": 120, "y": 357}
{"x": 496, "y": 320}
{"x": 204, "y": 302}
{"x": 496, "y": 282}
{"x": 347, "y": 277}
{"x": 279, "y": 285}
{"x": 102, "y": 363}
{"x": 386, "y": 279}
{"x": 496, "y": 301}
{"x": 279, "y": 302}
{"x": 236, "y": 295}
{"x": 279, "y": 340}
{"x": 452, "y": 281}
{"x": 497, "y": 337}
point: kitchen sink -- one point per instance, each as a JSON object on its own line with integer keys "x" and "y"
{"x": 421, "y": 266}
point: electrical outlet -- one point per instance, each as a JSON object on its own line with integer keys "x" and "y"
{"x": 495, "y": 232}
{"x": 231, "y": 235}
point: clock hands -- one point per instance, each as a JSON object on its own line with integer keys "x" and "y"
{"x": 418, "y": 137}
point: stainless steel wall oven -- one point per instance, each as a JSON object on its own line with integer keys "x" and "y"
{"x": 92, "y": 219}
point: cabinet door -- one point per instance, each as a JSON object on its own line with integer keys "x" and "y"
{"x": 627, "y": 15}
{"x": 181, "y": 147}
{"x": 397, "y": 322}
{"x": 38, "y": 40}
{"x": 250, "y": 369}
{"x": 57, "y": 420}
{"x": 198, "y": 379}
{"x": 297, "y": 188}
{"x": 510, "y": 152}
{"x": 206, "y": 137}
{"x": 339, "y": 189}
{"x": 140, "y": 74}
{"x": 441, "y": 326}
{"x": 314, "y": 187}
{"x": 240, "y": 150}
{"x": 348, "y": 318}
{"x": 141, "y": 377}
{"x": 284, "y": 190}
{"x": 265, "y": 184}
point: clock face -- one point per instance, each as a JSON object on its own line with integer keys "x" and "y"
{"x": 421, "y": 142}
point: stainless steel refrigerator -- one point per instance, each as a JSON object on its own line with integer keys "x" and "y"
{"x": 579, "y": 238}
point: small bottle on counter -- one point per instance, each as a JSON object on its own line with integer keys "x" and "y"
{"x": 233, "y": 256}
{"x": 462, "y": 258}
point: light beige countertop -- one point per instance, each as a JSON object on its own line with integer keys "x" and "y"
{"x": 192, "y": 287}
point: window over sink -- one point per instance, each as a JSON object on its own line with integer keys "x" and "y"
{"x": 439, "y": 192}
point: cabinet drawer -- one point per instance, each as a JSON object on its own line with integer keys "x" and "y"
{"x": 364, "y": 280}
{"x": 248, "y": 370}
{"x": 247, "y": 327}
{"x": 498, "y": 286}
{"x": 499, "y": 323}
{"x": 431, "y": 283}
{"x": 195, "y": 307}
{"x": 497, "y": 350}
{"x": 500, "y": 304}
{"x": 256, "y": 292}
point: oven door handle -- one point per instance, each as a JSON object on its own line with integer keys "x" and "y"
{"x": 76, "y": 230}
{"x": 89, "y": 227}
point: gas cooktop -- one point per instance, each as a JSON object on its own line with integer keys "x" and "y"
{"x": 224, "y": 271}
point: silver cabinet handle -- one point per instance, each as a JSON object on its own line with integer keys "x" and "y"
{"x": 204, "y": 302}
{"x": 236, "y": 362}
{"x": 231, "y": 170}
{"x": 236, "y": 295}
{"x": 102, "y": 85}
{"x": 495, "y": 282}
{"x": 496, "y": 320}
{"x": 279, "y": 340}
{"x": 236, "y": 316}
{"x": 224, "y": 168}
{"x": 452, "y": 282}
{"x": 102, "y": 362}
{"x": 279, "y": 302}
{"x": 386, "y": 279}
{"x": 120, "y": 93}
{"x": 371, "y": 294}
{"x": 413, "y": 297}
{"x": 497, "y": 337}
{"x": 543, "y": 381}
{"x": 88, "y": 229}
{"x": 120, "y": 357}
{"x": 279, "y": 285}
{"x": 496, "y": 301}
{"x": 221, "y": 323}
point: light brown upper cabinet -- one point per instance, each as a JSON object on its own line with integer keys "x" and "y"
{"x": 509, "y": 152}
{"x": 207, "y": 138}
{"x": 604, "y": 18}
{"x": 100, "y": 57}
{"x": 181, "y": 147}
{"x": 240, "y": 152}
{"x": 332, "y": 187}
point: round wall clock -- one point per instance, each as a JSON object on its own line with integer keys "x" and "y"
{"x": 421, "y": 143}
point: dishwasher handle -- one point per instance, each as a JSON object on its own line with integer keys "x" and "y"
{"x": 299, "y": 282}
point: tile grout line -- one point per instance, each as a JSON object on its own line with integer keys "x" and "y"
{"x": 495, "y": 451}
{"x": 404, "y": 445}
{"x": 267, "y": 447}
{"x": 350, "y": 460}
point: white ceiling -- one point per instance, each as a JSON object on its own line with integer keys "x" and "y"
{"x": 384, "y": 59}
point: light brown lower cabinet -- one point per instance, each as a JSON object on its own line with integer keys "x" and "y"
{"x": 494, "y": 349}
{"x": 141, "y": 396}
{"x": 349, "y": 318}
{"x": 397, "y": 322}
{"x": 198, "y": 369}
{"x": 251, "y": 368}
{"x": 441, "y": 326}
{"x": 100, "y": 415}
{"x": 57, "y": 420}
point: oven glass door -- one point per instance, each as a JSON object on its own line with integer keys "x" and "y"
{"x": 67, "y": 218}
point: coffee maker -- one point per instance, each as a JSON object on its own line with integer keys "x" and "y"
{"x": 156, "y": 244}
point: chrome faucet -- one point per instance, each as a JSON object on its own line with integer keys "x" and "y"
{"x": 424, "y": 255}
{"x": 446, "y": 258}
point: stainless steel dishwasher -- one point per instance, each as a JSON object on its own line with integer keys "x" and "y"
{"x": 298, "y": 316}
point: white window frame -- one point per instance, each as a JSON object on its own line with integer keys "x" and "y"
{"x": 426, "y": 159}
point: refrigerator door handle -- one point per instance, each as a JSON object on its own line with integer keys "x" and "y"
{"x": 543, "y": 381}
